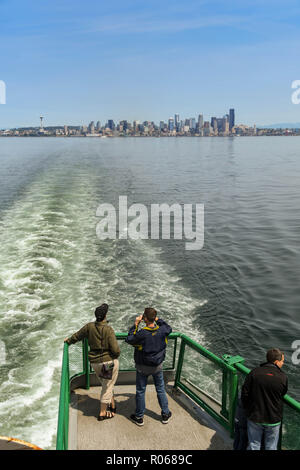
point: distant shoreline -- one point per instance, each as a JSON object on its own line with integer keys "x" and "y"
{"x": 268, "y": 134}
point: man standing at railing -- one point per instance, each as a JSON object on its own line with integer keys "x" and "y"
{"x": 150, "y": 351}
{"x": 262, "y": 394}
{"x": 103, "y": 356}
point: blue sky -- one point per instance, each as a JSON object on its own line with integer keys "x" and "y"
{"x": 76, "y": 61}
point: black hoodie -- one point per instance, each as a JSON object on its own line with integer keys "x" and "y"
{"x": 262, "y": 393}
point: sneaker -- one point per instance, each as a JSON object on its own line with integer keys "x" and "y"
{"x": 166, "y": 418}
{"x": 138, "y": 421}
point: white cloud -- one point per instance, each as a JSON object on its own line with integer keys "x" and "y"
{"x": 142, "y": 24}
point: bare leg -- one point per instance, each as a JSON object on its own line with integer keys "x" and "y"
{"x": 103, "y": 408}
{"x": 113, "y": 405}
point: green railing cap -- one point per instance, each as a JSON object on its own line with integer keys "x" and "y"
{"x": 232, "y": 360}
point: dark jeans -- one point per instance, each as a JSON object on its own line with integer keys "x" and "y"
{"x": 240, "y": 437}
{"x": 141, "y": 384}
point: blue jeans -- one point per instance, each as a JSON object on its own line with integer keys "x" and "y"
{"x": 256, "y": 432}
{"x": 141, "y": 384}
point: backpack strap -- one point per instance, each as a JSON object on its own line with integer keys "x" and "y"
{"x": 151, "y": 329}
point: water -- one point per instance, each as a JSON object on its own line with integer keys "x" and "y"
{"x": 238, "y": 295}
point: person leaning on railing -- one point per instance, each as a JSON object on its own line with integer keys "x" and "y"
{"x": 262, "y": 398}
{"x": 104, "y": 350}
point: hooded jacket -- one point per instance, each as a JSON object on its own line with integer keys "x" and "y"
{"x": 150, "y": 343}
{"x": 102, "y": 340}
{"x": 262, "y": 393}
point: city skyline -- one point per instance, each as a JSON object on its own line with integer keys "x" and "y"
{"x": 141, "y": 60}
{"x": 173, "y": 122}
{"x": 172, "y": 127}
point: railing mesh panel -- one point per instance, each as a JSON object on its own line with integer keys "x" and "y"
{"x": 203, "y": 373}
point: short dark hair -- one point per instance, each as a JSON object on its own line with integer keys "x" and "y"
{"x": 150, "y": 314}
{"x": 101, "y": 312}
{"x": 274, "y": 354}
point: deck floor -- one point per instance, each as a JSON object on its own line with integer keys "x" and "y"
{"x": 185, "y": 429}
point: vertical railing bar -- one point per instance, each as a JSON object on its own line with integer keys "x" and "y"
{"x": 64, "y": 397}
{"x": 174, "y": 353}
{"x": 86, "y": 364}
{"x": 180, "y": 362}
{"x": 233, "y": 397}
{"x": 67, "y": 401}
{"x": 224, "y": 411}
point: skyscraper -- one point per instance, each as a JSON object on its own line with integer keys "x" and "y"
{"x": 200, "y": 121}
{"x": 136, "y": 125}
{"x": 111, "y": 124}
{"x": 220, "y": 124}
{"x": 192, "y": 123}
{"x": 171, "y": 124}
{"x": 124, "y": 124}
{"x": 92, "y": 127}
{"x": 214, "y": 124}
{"x": 231, "y": 119}
{"x": 176, "y": 122}
{"x": 225, "y": 122}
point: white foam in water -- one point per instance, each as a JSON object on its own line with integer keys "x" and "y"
{"x": 53, "y": 262}
{"x": 67, "y": 280}
{"x": 2, "y": 353}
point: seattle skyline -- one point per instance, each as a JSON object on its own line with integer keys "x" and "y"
{"x": 140, "y": 61}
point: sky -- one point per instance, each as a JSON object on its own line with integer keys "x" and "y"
{"x": 75, "y": 61}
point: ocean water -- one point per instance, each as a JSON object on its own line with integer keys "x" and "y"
{"x": 239, "y": 294}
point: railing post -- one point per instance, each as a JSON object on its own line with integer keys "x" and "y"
{"x": 224, "y": 411}
{"x": 86, "y": 364}
{"x": 233, "y": 390}
{"x": 233, "y": 397}
{"x": 64, "y": 400}
{"x": 174, "y": 353}
{"x": 180, "y": 362}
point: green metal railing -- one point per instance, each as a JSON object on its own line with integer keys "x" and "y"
{"x": 288, "y": 440}
{"x": 212, "y": 382}
{"x": 64, "y": 401}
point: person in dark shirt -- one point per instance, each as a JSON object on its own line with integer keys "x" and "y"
{"x": 262, "y": 394}
{"x": 150, "y": 350}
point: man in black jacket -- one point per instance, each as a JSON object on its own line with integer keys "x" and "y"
{"x": 150, "y": 350}
{"x": 262, "y": 395}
